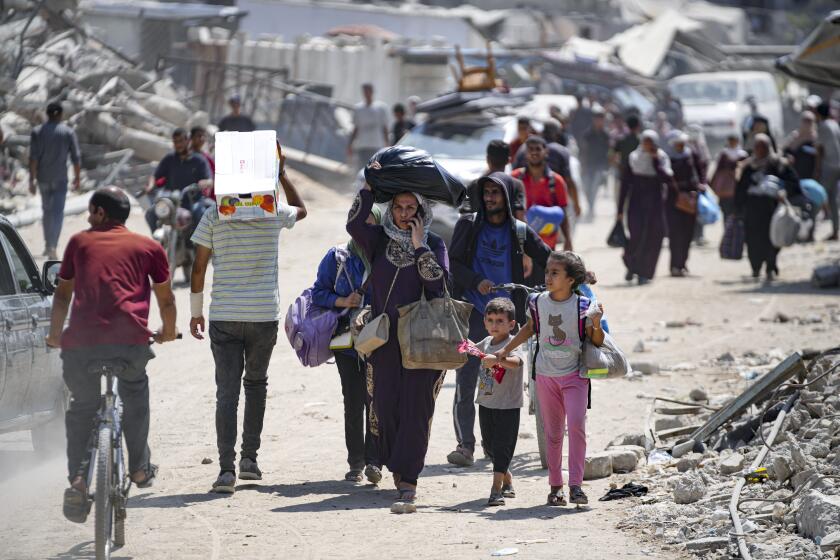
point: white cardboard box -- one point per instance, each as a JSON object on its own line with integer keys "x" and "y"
{"x": 247, "y": 167}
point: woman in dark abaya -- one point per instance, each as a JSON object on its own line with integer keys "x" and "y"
{"x": 405, "y": 258}
{"x": 681, "y": 223}
{"x": 643, "y": 186}
{"x": 765, "y": 179}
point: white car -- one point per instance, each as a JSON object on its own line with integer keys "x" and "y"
{"x": 718, "y": 101}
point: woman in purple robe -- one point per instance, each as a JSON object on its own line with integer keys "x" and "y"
{"x": 406, "y": 258}
{"x": 643, "y": 186}
{"x": 681, "y": 224}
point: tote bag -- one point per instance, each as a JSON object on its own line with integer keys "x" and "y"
{"x": 431, "y": 330}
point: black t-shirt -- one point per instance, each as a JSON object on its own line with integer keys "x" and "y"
{"x": 804, "y": 159}
{"x": 400, "y": 128}
{"x": 238, "y": 123}
{"x": 180, "y": 173}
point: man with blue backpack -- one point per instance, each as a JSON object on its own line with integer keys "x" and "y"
{"x": 244, "y": 320}
{"x": 488, "y": 247}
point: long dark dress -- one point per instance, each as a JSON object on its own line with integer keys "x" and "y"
{"x": 645, "y": 219}
{"x": 757, "y": 211}
{"x": 681, "y": 224}
{"x": 403, "y": 401}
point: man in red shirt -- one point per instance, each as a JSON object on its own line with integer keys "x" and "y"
{"x": 109, "y": 274}
{"x": 544, "y": 187}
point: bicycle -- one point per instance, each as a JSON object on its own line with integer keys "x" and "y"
{"x": 112, "y": 483}
{"x": 533, "y": 401}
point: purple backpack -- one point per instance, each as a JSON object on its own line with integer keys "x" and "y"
{"x": 309, "y": 329}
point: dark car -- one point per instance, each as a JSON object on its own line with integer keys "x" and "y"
{"x": 32, "y": 393}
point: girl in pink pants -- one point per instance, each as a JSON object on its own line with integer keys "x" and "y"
{"x": 562, "y": 319}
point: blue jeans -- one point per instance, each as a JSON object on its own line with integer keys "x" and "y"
{"x": 53, "y": 196}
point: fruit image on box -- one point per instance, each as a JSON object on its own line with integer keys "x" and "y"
{"x": 247, "y": 167}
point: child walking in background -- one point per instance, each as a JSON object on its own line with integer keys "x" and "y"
{"x": 499, "y": 401}
{"x": 562, "y": 319}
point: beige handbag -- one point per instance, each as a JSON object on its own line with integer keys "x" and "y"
{"x": 431, "y": 330}
{"x": 376, "y": 332}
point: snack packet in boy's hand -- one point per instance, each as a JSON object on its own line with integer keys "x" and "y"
{"x": 469, "y": 347}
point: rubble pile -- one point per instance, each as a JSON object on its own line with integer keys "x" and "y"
{"x": 790, "y": 503}
{"x": 113, "y": 104}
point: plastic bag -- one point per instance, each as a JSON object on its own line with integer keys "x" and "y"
{"x": 617, "y": 236}
{"x": 708, "y": 211}
{"x": 814, "y": 192}
{"x": 784, "y": 226}
{"x": 400, "y": 169}
{"x": 606, "y": 361}
{"x": 732, "y": 244}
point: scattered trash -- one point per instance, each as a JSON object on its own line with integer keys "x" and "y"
{"x": 533, "y": 541}
{"x": 505, "y": 552}
{"x": 311, "y": 404}
{"x": 629, "y": 490}
{"x": 659, "y": 457}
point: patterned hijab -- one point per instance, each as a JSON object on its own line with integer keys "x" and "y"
{"x": 402, "y": 237}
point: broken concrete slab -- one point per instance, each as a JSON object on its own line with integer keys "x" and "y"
{"x": 707, "y": 544}
{"x": 732, "y": 464}
{"x": 623, "y": 460}
{"x": 688, "y": 489}
{"x": 781, "y": 468}
{"x": 819, "y": 514}
{"x": 689, "y": 462}
{"x": 598, "y": 465}
{"x": 637, "y": 439}
{"x": 830, "y": 542}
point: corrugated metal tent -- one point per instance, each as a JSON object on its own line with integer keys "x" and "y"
{"x": 817, "y": 59}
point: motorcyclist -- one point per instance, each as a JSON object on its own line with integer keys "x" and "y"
{"x": 177, "y": 170}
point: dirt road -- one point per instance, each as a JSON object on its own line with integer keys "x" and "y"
{"x": 303, "y": 510}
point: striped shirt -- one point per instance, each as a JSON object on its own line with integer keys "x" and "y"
{"x": 244, "y": 265}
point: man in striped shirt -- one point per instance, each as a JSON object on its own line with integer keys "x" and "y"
{"x": 244, "y": 319}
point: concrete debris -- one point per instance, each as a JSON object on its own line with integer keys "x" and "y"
{"x": 624, "y": 460}
{"x": 646, "y": 368}
{"x": 628, "y": 439}
{"x": 688, "y": 489}
{"x": 732, "y": 464}
{"x": 793, "y": 514}
{"x": 689, "y": 462}
{"x": 698, "y": 394}
{"x": 112, "y": 104}
{"x": 707, "y": 544}
{"x": 639, "y": 347}
{"x": 598, "y": 465}
{"x": 819, "y": 514}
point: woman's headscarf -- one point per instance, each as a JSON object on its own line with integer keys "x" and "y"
{"x": 807, "y": 131}
{"x": 697, "y": 141}
{"x": 641, "y": 162}
{"x": 762, "y": 163}
{"x": 678, "y": 137}
{"x": 402, "y": 237}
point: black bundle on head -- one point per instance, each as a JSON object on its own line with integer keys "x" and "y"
{"x": 575, "y": 269}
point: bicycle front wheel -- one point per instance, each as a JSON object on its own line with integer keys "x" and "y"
{"x": 103, "y": 493}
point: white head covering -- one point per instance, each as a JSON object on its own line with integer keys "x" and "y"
{"x": 641, "y": 162}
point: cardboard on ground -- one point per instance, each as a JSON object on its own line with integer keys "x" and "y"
{"x": 247, "y": 165}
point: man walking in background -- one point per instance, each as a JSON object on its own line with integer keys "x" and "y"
{"x": 50, "y": 145}
{"x": 370, "y": 129}
{"x": 236, "y": 121}
{"x": 594, "y": 151}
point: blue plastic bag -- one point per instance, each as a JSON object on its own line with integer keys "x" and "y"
{"x": 814, "y": 192}
{"x": 708, "y": 212}
{"x": 545, "y": 220}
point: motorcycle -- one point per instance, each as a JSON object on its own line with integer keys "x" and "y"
{"x": 175, "y": 225}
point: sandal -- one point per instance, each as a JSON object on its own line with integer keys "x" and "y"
{"x": 508, "y": 491}
{"x": 151, "y": 473}
{"x": 556, "y": 499}
{"x": 496, "y": 499}
{"x": 353, "y": 475}
{"x": 76, "y": 505}
{"x": 405, "y": 501}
